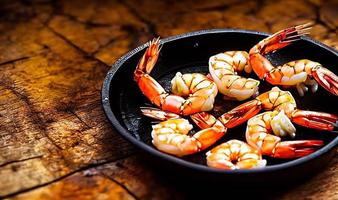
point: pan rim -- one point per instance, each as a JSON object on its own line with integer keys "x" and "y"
{"x": 105, "y": 99}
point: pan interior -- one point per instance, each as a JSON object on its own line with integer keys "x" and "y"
{"x": 191, "y": 54}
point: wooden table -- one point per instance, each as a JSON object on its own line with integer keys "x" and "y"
{"x": 55, "y": 142}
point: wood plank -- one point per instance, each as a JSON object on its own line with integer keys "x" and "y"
{"x": 51, "y": 121}
{"x": 128, "y": 178}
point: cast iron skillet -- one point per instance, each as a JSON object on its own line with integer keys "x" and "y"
{"x": 121, "y": 99}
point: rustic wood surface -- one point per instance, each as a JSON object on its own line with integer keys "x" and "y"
{"x": 55, "y": 142}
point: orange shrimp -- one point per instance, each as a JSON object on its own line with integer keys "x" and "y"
{"x": 234, "y": 154}
{"x": 282, "y": 110}
{"x": 279, "y": 100}
{"x": 298, "y": 73}
{"x": 172, "y": 135}
{"x": 223, "y": 69}
{"x": 258, "y": 135}
{"x": 194, "y": 92}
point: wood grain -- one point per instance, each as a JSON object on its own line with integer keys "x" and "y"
{"x": 55, "y": 142}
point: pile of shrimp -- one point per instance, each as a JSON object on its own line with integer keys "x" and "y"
{"x": 193, "y": 94}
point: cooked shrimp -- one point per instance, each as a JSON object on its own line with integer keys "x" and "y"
{"x": 171, "y": 136}
{"x": 200, "y": 92}
{"x": 258, "y": 135}
{"x": 279, "y": 100}
{"x": 223, "y": 69}
{"x": 282, "y": 110}
{"x": 234, "y": 154}
{"x": 300, "y": 73}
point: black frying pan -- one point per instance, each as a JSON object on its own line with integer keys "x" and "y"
{"x": 121, "y": 99}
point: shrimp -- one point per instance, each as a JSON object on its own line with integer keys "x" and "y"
{"x": 197, "y": 92}
{"x": 171, "y": 136}
{"x": 258, "y": 135}
{"x": 279, "y": 100}
{"x": 234, "y": 154}
{"x": 282, "y": 111}
{"x": 223, "y": 69}
{"x": 299, "y": 73}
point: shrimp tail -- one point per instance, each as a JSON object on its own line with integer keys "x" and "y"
{"x": 326, "y": 79}
{"x": 209, "y": 136}
{"x": 316, "y": 120}
{"x": 148, "y": 85}
{"x": 230, "y": 119}
{"x": 241, "y": 113}
{"x": 159, "y": 114}
{"x": 286, "y": 37}
{"x": 203, "y": 120}
{"x": 296, "y": 149}
{"x": 149, "y": 58}
{"x": 262, "y": 65}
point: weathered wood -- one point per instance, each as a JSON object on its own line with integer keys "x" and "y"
{"x": 130, "y": 178}
{"x": 51, "y": 122}
{"x": 123, "y": 179}
{"x": 55, "y": 142}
